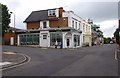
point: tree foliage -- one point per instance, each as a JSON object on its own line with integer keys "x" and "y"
{"x": 96, "y": 28}
{"x": 107, "y": 40}
{"x": 5, "y": 18}
{"x": 116, "y": 35}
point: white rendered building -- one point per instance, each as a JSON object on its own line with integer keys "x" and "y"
{"x": 45, "y": 27}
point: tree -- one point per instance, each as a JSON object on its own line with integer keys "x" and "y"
{"x": 107, "y": 40}
{"x": 116, "y": 35}
{"x": 96, "y": 28}
{"x": 5, "y": 18}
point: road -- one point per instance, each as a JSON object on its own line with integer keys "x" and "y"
{"x": 85, "y": 61}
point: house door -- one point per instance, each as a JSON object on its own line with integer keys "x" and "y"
{"x": 12, "y": 41}
{"x": 44, "y": 40}
{"x": 68, "y": 42}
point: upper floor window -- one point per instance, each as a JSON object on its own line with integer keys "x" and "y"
{"x": 83, "y": 27}
{"x": 32, "y": 28}
{"x": 44, "y": 24}
{"x": 86, "y": 28}
{"x": 76, "y": 25}
{"x": 79, "y": 26}
{"x": 51, "y": 13}
{"x": 89, "y": 28}
{"x": 73, "y": 24}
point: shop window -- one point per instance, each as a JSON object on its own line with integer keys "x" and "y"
{"x": 55, "y": 37}
{"x": 31, "y": 39}
{"x": 76, "y": 40}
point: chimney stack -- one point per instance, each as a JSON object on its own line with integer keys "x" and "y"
{"x": 60, "y": 11}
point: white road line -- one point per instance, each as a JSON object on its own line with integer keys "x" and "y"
{"x": 5, "y": 63}
{"x": 116, "y": 55}
{"x": 18, "y": 64}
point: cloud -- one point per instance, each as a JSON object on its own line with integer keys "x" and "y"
{"x": 104, "y": 14}
{"x": 109, "y": 23}
{"x": 108, "y": 32}
{"x": 11, "y": 4}
{"x": 98, "y": 10}
{"x": 109, "y": 27}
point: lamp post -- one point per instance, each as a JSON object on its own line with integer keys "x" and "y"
{"x": 14, "y": 18}
{"x": 14, "y": 28}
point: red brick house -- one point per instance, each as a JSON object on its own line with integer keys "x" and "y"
{"x": 55, "y": 19}
{"x": 10, "y": 36}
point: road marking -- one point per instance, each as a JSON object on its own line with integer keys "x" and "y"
{"x": 116, "y": 55}
{"x": 7, "y": 52}
{"x": 5, "y": 63}
{"x": 18, "y": 64}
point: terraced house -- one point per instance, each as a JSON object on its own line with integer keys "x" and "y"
{"x": 46, "y": 27}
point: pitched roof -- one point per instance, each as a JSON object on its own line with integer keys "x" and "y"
{"x": 12, "y": 28}
{"x": 37, "y": 16}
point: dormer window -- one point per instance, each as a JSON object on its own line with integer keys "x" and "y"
{"x": 51, "y": 13}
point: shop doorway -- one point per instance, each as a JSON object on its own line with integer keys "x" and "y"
{"x": 68, "y": 43}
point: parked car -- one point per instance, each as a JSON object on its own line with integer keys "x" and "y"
{"x": 111, "y": 42}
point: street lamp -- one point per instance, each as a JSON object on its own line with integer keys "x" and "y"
{"x": 14, "y": 18}
{"x": 14, "y": 28}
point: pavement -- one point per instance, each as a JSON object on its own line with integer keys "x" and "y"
{"x": 12, "y": 59}
{"x": 118, "y": 54}
{"x": 118, "y": 58}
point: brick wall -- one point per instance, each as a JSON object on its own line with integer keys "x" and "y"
{"x": 61, "y": 22}
{"x": 60, "y": 11}
{"x": 33, "y": 25}
{"x": 7, "y": 37}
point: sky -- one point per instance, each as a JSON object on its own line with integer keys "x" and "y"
{"x": 103, "y": 13}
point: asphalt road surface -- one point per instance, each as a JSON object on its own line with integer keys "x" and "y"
{"x": 85, "y": 61}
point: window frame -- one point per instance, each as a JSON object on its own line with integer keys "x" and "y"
{"x": 79, "y": 25}
{"x": 44, "y": 24}
{"x": 55, "y": 37}
{"x": 76, "y": 24}
{"x": 51, "y": 12}
{"x": 73, "y": 23}
{"x": 84, "y": 27}
{"x": 44, "y": 36}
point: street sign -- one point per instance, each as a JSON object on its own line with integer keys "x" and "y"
{"x": 58, "y": 30}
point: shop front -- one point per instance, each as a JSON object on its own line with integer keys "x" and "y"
{"x": 63, "y": 38}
